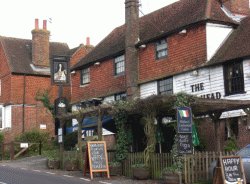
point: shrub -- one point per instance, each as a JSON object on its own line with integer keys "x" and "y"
{"x": 231, "y": 145}
{"x": 34, "y": 136}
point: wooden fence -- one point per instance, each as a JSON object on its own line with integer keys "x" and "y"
{"x": 195, "y": 167}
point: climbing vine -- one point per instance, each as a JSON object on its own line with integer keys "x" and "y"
{"x": 122, "y": 138}
{"x": 45, "y": 97}
{"x": 182, "y": 100}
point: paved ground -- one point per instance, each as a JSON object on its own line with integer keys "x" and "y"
{"x": 38, "y": 163}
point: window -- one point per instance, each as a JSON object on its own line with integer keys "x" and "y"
{"x": 231, "y": 128}
{"x": 119, "y": 65}
{"x": 121, "y": 96}
{"x": 85, "y": 79}
{"x": 165, "y": 86}
{"x": 161, "y": 49}
{"x": 234, "y": 78}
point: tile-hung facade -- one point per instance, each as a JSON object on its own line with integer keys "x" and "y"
{"x": 193, "y": 50}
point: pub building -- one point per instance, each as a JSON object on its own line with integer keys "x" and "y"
{"x": 201, "y": 49}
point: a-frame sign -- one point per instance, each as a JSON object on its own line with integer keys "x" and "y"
{"x": 229, "y": 170}
{"x": 96, "y": 158}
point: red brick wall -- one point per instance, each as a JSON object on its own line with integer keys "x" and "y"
{"x": 33, "y": 117}
{"x": 110, "y": 141}
{"x": 78, "y": 55}
{"x": 32, "y": 85}
{"x": 208, "y": 132}
{"x": 184, "y": 52}
{"x": 102, "y": 82}
{"x": 5, "y": 77}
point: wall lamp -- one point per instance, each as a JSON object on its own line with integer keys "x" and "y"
{"x": 184, "y": 31}
{"x": 97, "y": 63}
{"x": 143, "y": 46}
{"x": 194, "y": 73}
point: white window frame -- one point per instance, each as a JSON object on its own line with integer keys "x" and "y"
{"x": 119, "y": 65}
{"x": 161, "y": 49}
{"x": 85, "y": 76}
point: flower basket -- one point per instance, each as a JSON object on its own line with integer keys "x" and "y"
{"x": 52, "y": 164}
{"x": 171, "y": 177}
{"x": 115, "y": 169}
{"x": 141, "y": 173}
{"x": 71, "y": 165}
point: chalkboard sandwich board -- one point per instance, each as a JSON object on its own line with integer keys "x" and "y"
{"x": 96, "y": 159}
{"x": 229, "y": 170}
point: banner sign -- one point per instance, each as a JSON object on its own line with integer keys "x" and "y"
{"x": 60, "y": 70}
{"x": 184, "y": 120}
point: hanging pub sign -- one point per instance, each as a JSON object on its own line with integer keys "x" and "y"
{"x": 60, "y": 70}
{"x": 184, "y": 120}
{"x": 61, "y": 105}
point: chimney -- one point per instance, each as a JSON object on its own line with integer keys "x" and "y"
{"x": 88, "y": 41}
{"x": 131, "y": 53}
{"x": 237, "y": 6}
{"x": 40, "y": 45}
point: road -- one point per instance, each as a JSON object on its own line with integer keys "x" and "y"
{"x": 11, "y": 175}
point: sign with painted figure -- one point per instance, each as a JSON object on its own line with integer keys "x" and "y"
{"x": 60, "y": 70}
{"x": 184, "y": 120}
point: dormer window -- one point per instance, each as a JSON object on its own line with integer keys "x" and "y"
{"x": 119, "y": 65}
{"x": 161, "y": 49}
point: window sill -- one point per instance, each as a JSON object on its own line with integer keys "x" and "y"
{"x": 244, "y": 92}
{"x": 120, "y": 74}
{"x": 84, "y": 85}
{"x": 158, "y": 59}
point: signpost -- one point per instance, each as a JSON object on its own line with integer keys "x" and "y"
{"x": 96, "y": 158}
{"x": 60, "y": 75}
{"x": 229, "y": 170}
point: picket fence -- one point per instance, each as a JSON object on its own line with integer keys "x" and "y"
{"x": 195, "y": 167}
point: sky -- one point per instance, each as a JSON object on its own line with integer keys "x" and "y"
{"x": 72, "y": 20}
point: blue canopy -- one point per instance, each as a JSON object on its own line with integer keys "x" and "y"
{"x": 90, "y": 121}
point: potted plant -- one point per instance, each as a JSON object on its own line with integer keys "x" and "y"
{"x": 171, "y": 175}
{"x": 141, "y": 171}
{"x": 53, "y": 162}
{"x": 115, "y": 168}
{"x": 70, "y": 164}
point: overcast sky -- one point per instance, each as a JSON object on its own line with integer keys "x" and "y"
{"x": 72, "y": 20}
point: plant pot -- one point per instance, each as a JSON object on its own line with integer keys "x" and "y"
{"x": 115, "y": 170}
{"x": 141, "y": 173}
{"x": 71, "y": 165}
{"x": 53, "y": 164}
{"x": 171, "y": 177}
